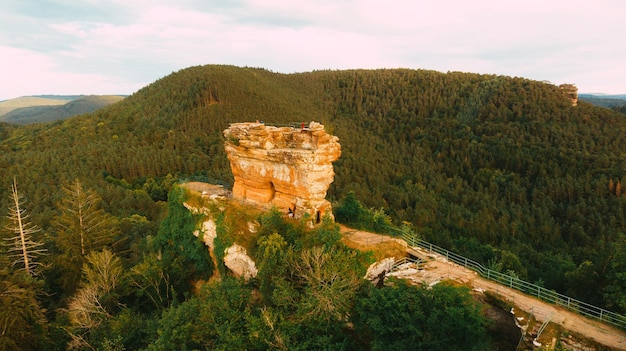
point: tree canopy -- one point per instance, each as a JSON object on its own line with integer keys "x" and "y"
{"x": 502, "y": 170}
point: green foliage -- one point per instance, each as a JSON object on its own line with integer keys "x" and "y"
{"x": 22, "y": 320}
{"x": 351, "y": 212}
{"x": 176, "y": 327}
{"x": 150, "y": 283}
{"x": 183, "y": 256}
{"x": 99, "y": 315}
{"x": 312, "y": 297}
{"x": 273, "y": 221}
{"x": 82, "y": 227}
{"x": 308, "y": 285}
{"x": 322, "y": 283}
{"x": 233, "y": 223}
{"x": 156, "y": 188}
{"x": 614, "y": 292}
{"x": 270, "y": 260}
{"x": 499, "y": 169}
{"x": 510, "y": 264}
{"x": 404, "y": 317}
{"x": 214, "y": 320}
{"x": 223, "y": 241}
{"x": 131, "y": 330}
{"x": 326, "y": 234}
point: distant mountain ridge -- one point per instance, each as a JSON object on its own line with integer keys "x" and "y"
{"x": 604, "y": 100}
{"x": 60, "y": 97}
{"x": 48, "y": 108}
{"x": 608, "y": 96}
{"x": 7, "y": 106}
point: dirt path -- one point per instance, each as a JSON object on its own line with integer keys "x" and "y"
{"x": 437, "y": 268}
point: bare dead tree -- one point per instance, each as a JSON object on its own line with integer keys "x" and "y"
{"x": 22, "y": 248}
{"x": 102, "y": 274}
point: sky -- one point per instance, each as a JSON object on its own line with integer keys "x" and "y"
{"x": 73, "y": 47}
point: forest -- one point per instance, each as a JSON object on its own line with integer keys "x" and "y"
{"x": 503, "y": 170}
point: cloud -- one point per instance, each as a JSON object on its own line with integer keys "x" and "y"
{"x": 26, "y": 73}
{"x": 134, "y": 42}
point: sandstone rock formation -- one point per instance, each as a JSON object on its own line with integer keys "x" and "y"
{"x": 571, "y": 91}
{"x": 376, "y": 268}
{"x": 209, "y": 232}
{"x": 377, "y": 271}
{"x": 289, "y": 167}
{"x": 238, "y": 261}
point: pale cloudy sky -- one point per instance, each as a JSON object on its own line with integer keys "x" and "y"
{"x": 119, "y": 46}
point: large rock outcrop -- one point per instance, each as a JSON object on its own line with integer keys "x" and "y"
{"x": 289, "y": 167}
{"x": 571, "y": 91}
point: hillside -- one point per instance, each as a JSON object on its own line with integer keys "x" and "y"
{"x": 603, "y": 100}
{"x": 7, "y": 106}
{"x": 502, "y": 170}
{"x": 51, "y": 109}
{"x": 435, "y": 267}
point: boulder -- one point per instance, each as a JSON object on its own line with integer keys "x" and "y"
{"x": 377, "y": 271}
{"x": 238, "y": 261}
{"x": 571, "y": 91}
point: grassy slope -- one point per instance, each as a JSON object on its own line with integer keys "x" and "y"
{"x": 7, "y": 106}
{"x": 57, "y": 109}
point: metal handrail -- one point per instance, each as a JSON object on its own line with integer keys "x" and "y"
{"x": 403, "y": 261}
{"x": 542, "y": 293}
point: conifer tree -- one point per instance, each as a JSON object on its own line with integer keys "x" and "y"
{"x": 22, "y": 319}
{"x": 21, "y": 246}
{"x": 82, "y": 223}
{"x": 83, "y": 227}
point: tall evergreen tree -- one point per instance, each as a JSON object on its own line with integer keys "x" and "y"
{"x": 82, "y": 227}
{"x": 86, "y": 226}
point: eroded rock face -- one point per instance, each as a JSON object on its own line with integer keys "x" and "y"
{"x": 209, "y": 232}
{"x": 289, "y": 167}
{"x": 377, "y": 271}
{"x": 238, "y": 261}
{"x": 571, "y": 91}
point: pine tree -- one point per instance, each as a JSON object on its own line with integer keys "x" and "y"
{"x": 22, "y": 319}
{"x": 82, "y": 228}
{"x": 83, "y": 225}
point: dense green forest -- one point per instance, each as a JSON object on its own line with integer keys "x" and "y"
{"x": 502, "y": 170}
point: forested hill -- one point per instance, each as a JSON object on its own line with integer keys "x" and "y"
{"x": 49, "y": 109}
{"x": 501, "y": 169}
